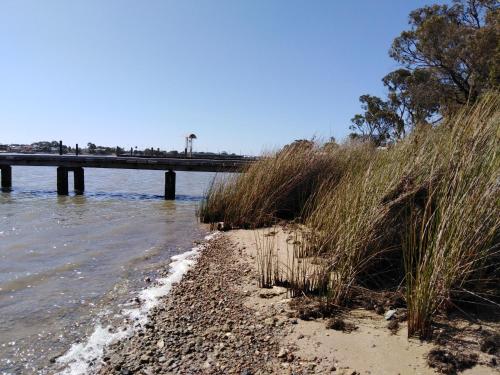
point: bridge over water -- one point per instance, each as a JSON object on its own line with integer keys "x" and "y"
{"x": 76, "y": 164}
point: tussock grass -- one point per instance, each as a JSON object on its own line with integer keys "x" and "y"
{"x": 300, "y": 273}
{"x": 267, "y": 261}
{"x": 453, "y": 245}
{"x": 275, "y": 187}
{"x": 305, "y": 274}
{"x": 422, "y": 216}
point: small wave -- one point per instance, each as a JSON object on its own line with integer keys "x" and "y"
{"x": 148, "y": 254}
{"x": 189, "y": 198}
{"x": 139, "y": 196}
{"x": 122, "y": 196}
{"x": 36, "y": 278}
{"x": 100, "y": 195}
{"x": 79, "y": 357}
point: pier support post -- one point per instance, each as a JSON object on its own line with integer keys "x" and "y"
{"x": 62, "y": 181}
{"x": 6, "y": 171}
{"x": 170, "y": 185}
{"x": 79, "y": 180}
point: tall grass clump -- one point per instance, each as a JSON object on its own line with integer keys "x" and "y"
{"x": 343, "y": 229}
{"x": 356, "y": 223}
{"x": 421, "y": 217}
{"x": 452, "y": 247}
{"x": 267, "y": 260}
{"x": 423, "y": 214}
{"x": 343, "y": 224}
{"x": 272, "y": 188}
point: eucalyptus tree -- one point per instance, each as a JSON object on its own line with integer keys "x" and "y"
{"x": 449, "y": 56}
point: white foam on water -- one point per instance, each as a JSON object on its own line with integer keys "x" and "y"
{"x": 81, "y": 358}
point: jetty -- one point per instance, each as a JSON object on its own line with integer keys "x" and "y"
{"x": 77, "y": 165}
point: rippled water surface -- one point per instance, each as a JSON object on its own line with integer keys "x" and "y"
{"x": 67, "y": 263}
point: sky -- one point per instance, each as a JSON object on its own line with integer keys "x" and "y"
{"x": 244, "y": 76}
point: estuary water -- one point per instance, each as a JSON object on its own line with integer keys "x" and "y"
{"x": 70, "y": 264}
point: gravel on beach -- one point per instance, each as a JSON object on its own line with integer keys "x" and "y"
{"x": 203, "y": 326}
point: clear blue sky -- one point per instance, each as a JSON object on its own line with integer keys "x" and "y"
{"x": 245, "y": 76}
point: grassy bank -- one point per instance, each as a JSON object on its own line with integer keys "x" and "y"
{"x": 421, "y": 217}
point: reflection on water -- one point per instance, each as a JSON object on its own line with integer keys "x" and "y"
{"x": 66, "y": 262}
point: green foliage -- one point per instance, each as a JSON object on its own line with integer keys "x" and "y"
{"x": 456, "y": 44}
{"x": 378, "y": 121}
{"x": 412, "y": 97}
{"x": 450, "y": 56}
{"x": 91, "y": 147}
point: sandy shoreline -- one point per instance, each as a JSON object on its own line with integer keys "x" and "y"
{"x": 217, "y": 321}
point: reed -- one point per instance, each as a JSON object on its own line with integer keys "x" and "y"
{"x": 423, "y": 214}
{"x": 289, "y": 267}
{"x": 453, "y": 246}
{"x": 275, "y": 187}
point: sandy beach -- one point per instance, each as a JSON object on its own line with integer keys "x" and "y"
{"x": 218, "y": 321}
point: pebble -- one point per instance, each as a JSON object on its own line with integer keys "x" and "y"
{"x": 203, "y": 326}
{"x": 282, "y": 353}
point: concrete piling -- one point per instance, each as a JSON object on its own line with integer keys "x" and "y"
{"x": 170, "y": 185}
{"x": 79, "y": 180}
{"x": 62, "y": 181}
{"x": 6, "y": 171}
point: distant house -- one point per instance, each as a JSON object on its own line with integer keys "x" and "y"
{"x": 16, "y": 148}
{"x": 42, "y": 146}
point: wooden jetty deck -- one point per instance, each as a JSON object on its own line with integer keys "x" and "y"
{"x": 76, "y": 164}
